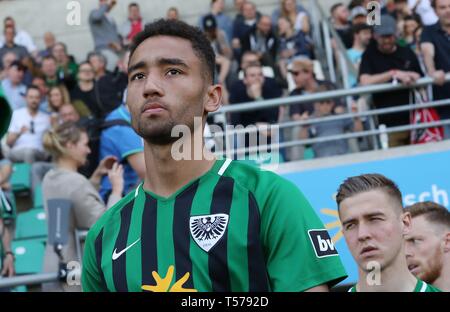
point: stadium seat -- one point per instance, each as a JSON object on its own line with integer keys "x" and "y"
{"x": 308, "y": 153}
{"x": 22, "y": 288}
{"x": 21, "y": 177}
{"x": 29, "y": 256}
{"x": 31, "y": 224}
{"x": 37, "y": 197}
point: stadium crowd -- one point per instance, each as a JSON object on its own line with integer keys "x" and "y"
{"x": 258, "y": 57}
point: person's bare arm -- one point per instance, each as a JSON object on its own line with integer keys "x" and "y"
{"x": 367, "y": 79}
{"x": 305, "y": 24}
{"x": 8, "y": 260}
{"x": 225, "y": 65}
{"x": 5, "y": 173}
{"x": 428, "y": 55}
{"x": 137, "y": 162}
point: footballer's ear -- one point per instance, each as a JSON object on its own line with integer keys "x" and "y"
{"x": 446, "y": 242}
{"x": 406, "y": 220}
{"x": 213, "y": 98}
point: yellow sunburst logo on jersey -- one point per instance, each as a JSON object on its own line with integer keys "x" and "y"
{"x": 163, "y": 283}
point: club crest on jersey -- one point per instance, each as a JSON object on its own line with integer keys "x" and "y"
{"x": 208, "y": 230}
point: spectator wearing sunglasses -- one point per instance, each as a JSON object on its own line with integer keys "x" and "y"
{"x": 25, "y": 132}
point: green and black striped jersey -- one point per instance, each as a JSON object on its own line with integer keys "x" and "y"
{"x": 236, "y": 228}
{"x": 421, "y": 286}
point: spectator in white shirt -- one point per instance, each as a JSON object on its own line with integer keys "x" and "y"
{"x": 27, "y": 127}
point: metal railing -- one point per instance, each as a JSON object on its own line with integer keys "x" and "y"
{"x": 40, "y": 278}
{"x": 309, "y": 98}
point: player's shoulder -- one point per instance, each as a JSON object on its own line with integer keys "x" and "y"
{"x": 260, "y": 182}
{"x": 110, "y": 215}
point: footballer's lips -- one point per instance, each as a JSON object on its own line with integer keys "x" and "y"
{"x": 414, "y": 268}
{"x": 368, "y": 251}
{"x": 152, "y": 108}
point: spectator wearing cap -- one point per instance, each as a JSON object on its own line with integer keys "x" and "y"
{"x": 435, "y": 46}
{"x": 104, "y": 31}
{"x": 13, "y": 87}
{"x": 27, "y": 127}
{"x": 385, "y": 61}
{"x": 340, "y": 19}
{"x": 224, "y": 22}
{"x": 220, "y": 45}
{"x": 21, "y": 37}
{"x": 362, "y": 35}
{"x": 262, "y": 40}
{"x": 10, "y": 46}
{"x": 358, "y": 15}
{"x": 302, "y": 71}
{"x": 133, "y": 25}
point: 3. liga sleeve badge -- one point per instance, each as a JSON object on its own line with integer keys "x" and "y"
{"x": 207, "y": 230}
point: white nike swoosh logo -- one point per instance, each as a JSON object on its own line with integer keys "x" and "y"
{"x": 116, "y": 254}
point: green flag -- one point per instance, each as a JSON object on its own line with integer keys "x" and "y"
{"x": 5, "y": 114}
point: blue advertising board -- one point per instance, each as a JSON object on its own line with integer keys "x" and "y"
{"x": 424, "y": 177}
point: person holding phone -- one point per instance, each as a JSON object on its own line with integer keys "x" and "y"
{"x": 68, "y": 144}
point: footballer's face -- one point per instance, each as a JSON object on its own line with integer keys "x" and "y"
{"x": 373, "y": 226}
{"x": 168, "y": 86}
{"x": 424, "y": 249}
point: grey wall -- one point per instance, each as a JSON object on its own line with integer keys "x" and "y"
{"x": 39, "y": 16}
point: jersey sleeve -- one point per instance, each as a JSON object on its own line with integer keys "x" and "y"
{"x": 91, "y": 279}
{"x": 299, "y": 251}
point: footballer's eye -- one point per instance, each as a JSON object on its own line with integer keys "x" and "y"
{"x": 349, "y": 226}
{"x": 173, "y": 72}
{"x": 137, "y": 76}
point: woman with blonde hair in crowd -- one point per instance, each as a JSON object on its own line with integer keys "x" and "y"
{"x": 68, "y": 143}
{"x": 296, "y": 15}
{"x": 57, "y": 97}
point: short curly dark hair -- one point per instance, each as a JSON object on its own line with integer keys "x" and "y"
{"x": 173, "y": 28}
